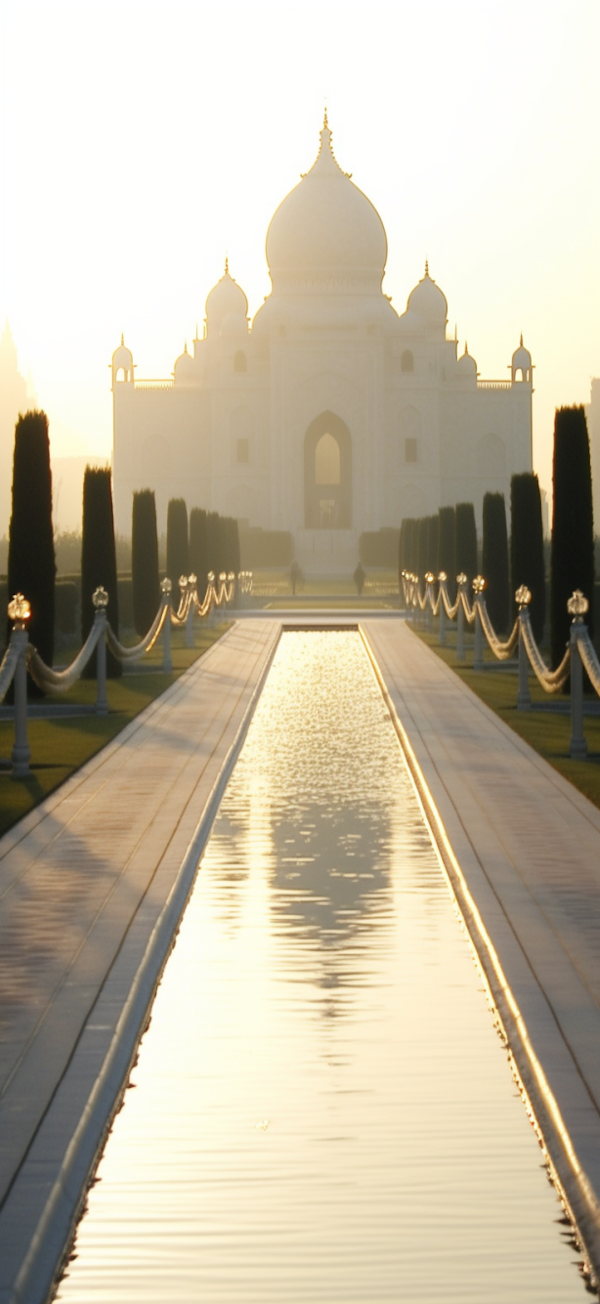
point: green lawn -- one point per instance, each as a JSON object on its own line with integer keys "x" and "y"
{"x": 547, "y": 731}
{"x": 58, "y": 747}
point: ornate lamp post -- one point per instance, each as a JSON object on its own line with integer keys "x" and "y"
{"x": 166, "y": 588}
{"x": 19, "y": 611}
{"x": 100, "y": 601}
{"x": 523, "y": 598}
{"x": 577, "y": 607}
{"x": 460, "y": 622}
{"x": 479, "y": 584}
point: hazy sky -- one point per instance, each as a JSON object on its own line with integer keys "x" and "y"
{"x": 143, "y": 141}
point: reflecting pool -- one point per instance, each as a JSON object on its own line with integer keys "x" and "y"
{"x": 323, "y": 1111}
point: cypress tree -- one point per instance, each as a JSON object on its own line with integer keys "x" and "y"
{"x": 236, "y": 554}
{"x": 98, "y": 560}
{"x": 177, "y": 543}
{"x": 527, "y": 546}
{"x": 31, "y": 562}
{"x": 465, "y": 541}
{"x": 144, "y": 560}
{"x": 413, "y": 542}
{"x": 446, "y": 548}
{"x": 433, "y": 543}
{"x": 422, "y": 542}
{"x": 572, "y": 552}
{"x": 199, "y": 548}
{"x": 405, "y": 553}
{"x": 494, "y": 563}
{"x": 446, "y": 541}
{"x": 213, "y": 543}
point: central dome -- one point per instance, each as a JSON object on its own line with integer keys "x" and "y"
{"x": 326, "y": 229}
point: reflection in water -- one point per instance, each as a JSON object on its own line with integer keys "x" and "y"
{"x": 323, "y": 1113}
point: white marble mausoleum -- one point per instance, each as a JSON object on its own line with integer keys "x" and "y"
{"x": 329, "y": 413}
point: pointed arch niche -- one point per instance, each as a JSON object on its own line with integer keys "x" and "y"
{"x": 328, "y": 474}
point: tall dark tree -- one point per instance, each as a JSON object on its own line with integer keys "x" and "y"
{"x": 572, "y": 552}
{"x": 494, "y": 560}
{"x": 465, "y": 541}
{"x": 177, "y": 543}
{"x": 446, "y": 549}
{"x": 422, "y": 545}
{"x": 446, "y": 541}
{"x": 406, "y": 558}
{"x": 433, "y": 543}
{"x": 144, "y": 560}
{"x": 31, "y": 562}
{"x": 199, "y": 563}
{"x": 98, "y": 559}
{"x": 527, "y": 546}
{"x": 234, "y": 545}
{"x": 213, "y": 535}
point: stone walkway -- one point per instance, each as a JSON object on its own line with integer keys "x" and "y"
{"x": 93, "y": 882}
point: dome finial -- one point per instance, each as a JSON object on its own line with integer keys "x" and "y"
{"x": 122, "y": 339}
{"x": 427, "y": 267}
{"x": 521, "y": 340}
{"x": 325, "y": 119}
{"x": 226, "y": 265}
{"x": 466, "y": 348}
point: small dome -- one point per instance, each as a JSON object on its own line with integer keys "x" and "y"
{"x": 428, "y": 301}
{"x": 467, "y": 365}
{"x": 521, "y": 358}
{"x": 225, "y": 299}
{"x": 185, "y": 369}
{"x": 234, "y": 325}
{"x": 122, "y": 357}
{"x": 327, "y": 228}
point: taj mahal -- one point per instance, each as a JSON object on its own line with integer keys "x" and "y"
{"x": 329, "y": 413}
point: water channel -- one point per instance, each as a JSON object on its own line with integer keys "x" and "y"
{"x": 323, "y": 1111}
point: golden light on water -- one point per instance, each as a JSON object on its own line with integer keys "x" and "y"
{"x": 322, "y": 1107}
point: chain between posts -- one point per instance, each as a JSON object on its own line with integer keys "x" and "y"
{"x": 579, "y": 654}
{"x": 21, "y": 656}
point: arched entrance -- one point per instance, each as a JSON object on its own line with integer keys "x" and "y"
{"x": 327, "y": 474}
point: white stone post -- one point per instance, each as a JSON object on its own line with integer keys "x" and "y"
{"x": 428, "y": 601}
{"x": 523, "y": 694}
{"x": 167, "y": 663}
{"x": 189, "y": 620}
{"x": 460, "y": 619}
{"x": 442, "y": 608}
{"x": 101, "y": 698}
{"x": 577, "y": 745}
{"x": 523, "y": 597}
{"x": 21, "y": 753}
{"x": 577, "y": 606}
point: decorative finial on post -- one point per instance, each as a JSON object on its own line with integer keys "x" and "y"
{"x": 442, "y": 577}
{"x": 522, "y": 597}
{"x": 479, "y": 583}
{"x": 461, "y": 579}
{"x": 578, "y": 606}
{"x": 19, "y": 610}
{"x": 100, "y": 599}
{"x": 166, "y": 586}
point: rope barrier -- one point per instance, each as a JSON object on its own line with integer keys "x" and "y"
{"x": 587, "y": 653}
{"x": 59, "y": 681}
{"x": 551, "y": 680}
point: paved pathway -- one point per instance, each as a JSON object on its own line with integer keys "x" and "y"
{"x": 93, "y": 882}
